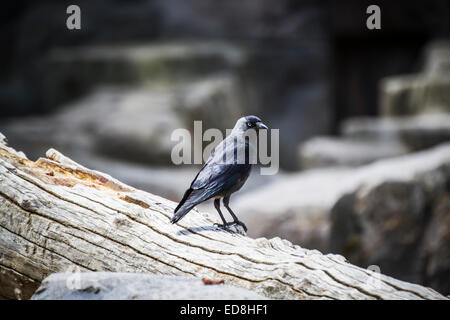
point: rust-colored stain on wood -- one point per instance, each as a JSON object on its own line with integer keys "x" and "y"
{"x": 135, "y": 201}
{"x": 209, "y": 281}
{"x": 52, "y": 172}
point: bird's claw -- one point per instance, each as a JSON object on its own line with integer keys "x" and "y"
{"x": 227, "y": 224}
{"x": 224, "y": 225}
{"x": 241, "y": 224}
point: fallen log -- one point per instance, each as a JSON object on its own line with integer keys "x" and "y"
{"x": 56, "y": 216}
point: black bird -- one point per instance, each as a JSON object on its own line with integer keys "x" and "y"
{"x": 224, "y": 173}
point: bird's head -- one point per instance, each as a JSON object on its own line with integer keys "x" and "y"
{"x": 249, "y": 123}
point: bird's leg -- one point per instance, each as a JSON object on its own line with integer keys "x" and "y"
{"x": 226, "y": 201}
{"x": 217, "y": 206}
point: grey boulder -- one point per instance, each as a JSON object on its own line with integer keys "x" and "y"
{"x": 135, "y": 286}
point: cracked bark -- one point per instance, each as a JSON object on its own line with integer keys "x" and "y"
{"x": 56, "y": 215}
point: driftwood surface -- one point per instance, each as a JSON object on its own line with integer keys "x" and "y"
{"x": 56, "y": 216}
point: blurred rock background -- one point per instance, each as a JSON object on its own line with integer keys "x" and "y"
{"x": 363, "y": 115}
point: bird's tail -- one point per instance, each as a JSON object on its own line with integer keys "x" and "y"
{"x": 185, "y": 205}
{"x": 181, "y": 213}
{"x": 190, "y": 199}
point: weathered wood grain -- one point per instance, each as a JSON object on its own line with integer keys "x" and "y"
{"x": 56, "y": 215}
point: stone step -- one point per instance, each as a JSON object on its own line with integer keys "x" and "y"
{"x": 414, "y": 94}
{"x": 135, "y": 286}
{"x": 298, "y": 205}
{"x": 426, "y": 91}
{"x": 72, "y": 72}
{"x": 348, "y": 152}
{"x": 133, "y": 124}
{"x": 415, "y": 132}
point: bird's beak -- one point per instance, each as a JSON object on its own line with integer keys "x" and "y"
{"x": 261, "y": 125}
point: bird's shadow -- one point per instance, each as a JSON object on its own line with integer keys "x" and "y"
{"x": 188, "y": 231}
{"x": 199, "y": 229}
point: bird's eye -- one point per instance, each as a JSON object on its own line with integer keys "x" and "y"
{"x": 249, "y": 124}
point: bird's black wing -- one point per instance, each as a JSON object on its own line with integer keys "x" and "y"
{"x": 215, "y": 178}
{"x": 212, "y": 180}
{"x": 217, "y": 171}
